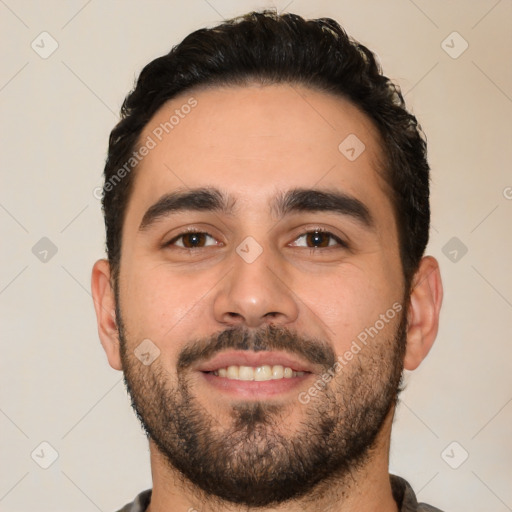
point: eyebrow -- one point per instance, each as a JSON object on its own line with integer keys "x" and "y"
{"x": 313, "y": 200}
{"x": 295, "y": 200}
{"x": 197, "y": 199}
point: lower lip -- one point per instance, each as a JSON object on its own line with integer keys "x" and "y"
{"x": 248, "y": 389}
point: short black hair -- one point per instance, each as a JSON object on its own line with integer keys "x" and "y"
{"x": 268, "y": 48}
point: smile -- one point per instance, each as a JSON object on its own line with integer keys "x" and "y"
{"x": 259, "y": 373}
{"x": 256, "y": 375}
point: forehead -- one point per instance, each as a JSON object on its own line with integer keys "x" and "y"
{"x": 254, "y": 141}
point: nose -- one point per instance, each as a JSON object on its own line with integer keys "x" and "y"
{"x": 255, "y": 294}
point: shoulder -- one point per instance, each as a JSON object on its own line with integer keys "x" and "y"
{"x": 139, "y": 504}
{"x": 406, "y": 498}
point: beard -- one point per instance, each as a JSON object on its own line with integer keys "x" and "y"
{"x": 256, "y": 459}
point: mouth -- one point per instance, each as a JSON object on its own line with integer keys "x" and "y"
{"x": 259, "y": 374}
{"x": 247, "y": 374}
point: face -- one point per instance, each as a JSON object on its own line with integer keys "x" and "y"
{"x": 262, "y": 264}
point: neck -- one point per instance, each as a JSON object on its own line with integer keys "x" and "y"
{"x": 365, "y": 489}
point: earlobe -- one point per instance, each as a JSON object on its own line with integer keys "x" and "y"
{"x": 105, "y": 307}
{"x": 423, "y": 312}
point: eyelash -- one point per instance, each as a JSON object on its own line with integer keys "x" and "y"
{"x": 339, "y": 241}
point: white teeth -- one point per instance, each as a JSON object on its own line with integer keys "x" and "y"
{"x": 245, "y": 373}
{"x": 260, "y": 373}
{"x": 232, "y": 372}
{"x": 263, "y": 373}
{"x": 277, "y": 371}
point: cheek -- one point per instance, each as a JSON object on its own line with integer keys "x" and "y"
{"x": 349, "y": 302}
{"x": 161, "y": 306}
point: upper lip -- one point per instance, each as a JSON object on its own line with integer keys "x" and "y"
{"x": 254, "y": 359}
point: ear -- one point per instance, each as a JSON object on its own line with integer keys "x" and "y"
{"x": 423, "y": 312}
{"x": 105, "y": 306}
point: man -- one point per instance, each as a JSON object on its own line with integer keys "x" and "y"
{"x": 266, "y": 203}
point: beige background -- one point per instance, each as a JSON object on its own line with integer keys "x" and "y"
{"x": 56, "y": 115}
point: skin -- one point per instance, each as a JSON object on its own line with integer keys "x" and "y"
{"x": 252, "y": 143}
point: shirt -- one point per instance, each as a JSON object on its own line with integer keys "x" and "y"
{"x": 402, "y": 492}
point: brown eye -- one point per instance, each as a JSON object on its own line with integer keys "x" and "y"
{"x": 317, "y": 240}
{"x": 193, "y": 240}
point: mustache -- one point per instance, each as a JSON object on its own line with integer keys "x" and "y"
{"x": 267, "y": 338}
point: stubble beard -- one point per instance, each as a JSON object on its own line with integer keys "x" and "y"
{"x": 255, "y": 460}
